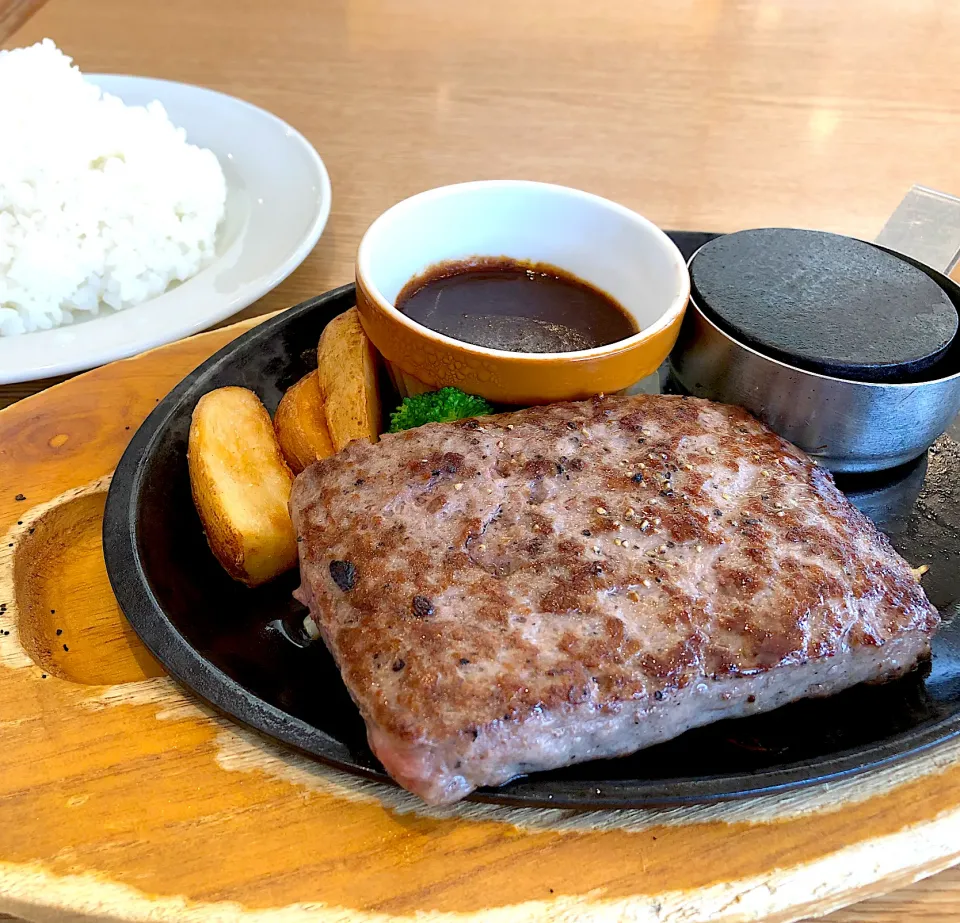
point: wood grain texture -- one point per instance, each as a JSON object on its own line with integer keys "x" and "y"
{"x": 932, "y": 900}
{"x": 14, "y": 13}
{"x": 66, "y": 625}
{"x": 712, "y": 114}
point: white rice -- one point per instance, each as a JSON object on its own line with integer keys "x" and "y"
{"x": 101, "y": 204}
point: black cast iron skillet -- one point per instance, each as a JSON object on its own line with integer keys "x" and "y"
{"x": 244, "y": 651}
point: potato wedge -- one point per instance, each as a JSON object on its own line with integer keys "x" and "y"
{"x": 347, "y": 370}
{"x": 241, "y": 486}
{"x": 301, "y": 425}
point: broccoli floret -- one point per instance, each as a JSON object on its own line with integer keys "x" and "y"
{"x": 437, "y": 407}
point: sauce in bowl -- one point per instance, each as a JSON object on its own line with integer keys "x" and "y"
{"x": 500, "y": 303}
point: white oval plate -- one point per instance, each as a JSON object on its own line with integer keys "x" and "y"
{"x": 278, "y": 201}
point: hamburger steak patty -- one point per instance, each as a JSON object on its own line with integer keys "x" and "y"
{"x": 576, "y": 581}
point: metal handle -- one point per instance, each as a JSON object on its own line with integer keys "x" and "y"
{"x": 926, "y": 226}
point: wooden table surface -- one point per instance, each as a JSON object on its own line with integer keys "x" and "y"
{"x": 707, "y": 114}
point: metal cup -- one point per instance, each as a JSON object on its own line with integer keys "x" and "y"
{"x": 846, "y": 425}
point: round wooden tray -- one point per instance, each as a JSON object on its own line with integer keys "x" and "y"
{"x": 121, "y": 797}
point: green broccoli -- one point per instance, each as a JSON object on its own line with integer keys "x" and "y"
{"x": 441, "y": 406}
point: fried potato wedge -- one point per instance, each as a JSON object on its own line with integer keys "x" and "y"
{"x": 347, "y": 370}
{"x": 301, "y": 425}
{"x": 241, "y": 486}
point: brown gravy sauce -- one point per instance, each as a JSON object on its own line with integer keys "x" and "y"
{"x": 514, "y": 305}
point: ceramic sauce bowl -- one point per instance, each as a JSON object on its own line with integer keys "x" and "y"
{"x": 603, "y": 243}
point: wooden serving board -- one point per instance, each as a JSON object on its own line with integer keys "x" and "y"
{"x": 123, "y": 798}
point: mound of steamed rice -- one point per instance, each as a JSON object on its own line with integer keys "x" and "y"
{"x": 101, "y": 204}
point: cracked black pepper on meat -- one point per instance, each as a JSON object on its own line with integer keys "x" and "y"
{"x": 576, "y": 610}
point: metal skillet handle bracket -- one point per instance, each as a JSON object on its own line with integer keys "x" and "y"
{"x": 926, "y": 226}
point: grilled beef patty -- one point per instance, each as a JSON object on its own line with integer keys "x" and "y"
{"x": 576, "y": 581}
